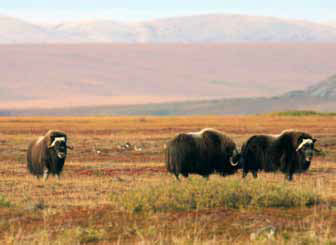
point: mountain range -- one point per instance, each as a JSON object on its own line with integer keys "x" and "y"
{"x": 181, "y": 65}
{"x": 211, "y": 28}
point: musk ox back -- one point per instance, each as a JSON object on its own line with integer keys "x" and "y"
{"x": 202, "y": 153}
{"x": 291, "y": 152}
{"x": 46, "y": 155}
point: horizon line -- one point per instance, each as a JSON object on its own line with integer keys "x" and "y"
{"x": 106, "y": 17}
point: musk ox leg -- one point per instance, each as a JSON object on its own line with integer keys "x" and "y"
{"x": 242, "y": 163}
{"x": 185, "y": 174}
{"x": 290, "y": 172}
{"x": 45, "y": 174}
{"x": 289, "y": 177}
{"x": 255, "y": 175}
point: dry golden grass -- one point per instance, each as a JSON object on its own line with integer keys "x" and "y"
{"x": 81, "y": 208}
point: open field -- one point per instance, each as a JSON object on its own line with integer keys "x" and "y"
{"x": 110, "y": 195}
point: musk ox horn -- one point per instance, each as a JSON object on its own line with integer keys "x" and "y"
{"x": 232, "y": 163}
{"x": 304, "y": 142}
{"x": 56, "y": 140}
{"x": 235, "y": 153}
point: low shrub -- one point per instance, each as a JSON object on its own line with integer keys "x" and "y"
{"x": 197, "y": 193}
{"x": 4, "y": 202}
{"x": 300, "y": 113}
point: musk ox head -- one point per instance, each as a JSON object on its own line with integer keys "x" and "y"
{"x": 305, "y": 151}
{"x": 59, "y": 147}
{"x": 57, "y": 144}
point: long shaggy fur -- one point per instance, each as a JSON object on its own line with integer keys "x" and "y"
{"x": 41, "y": 158}
{"x": 274, "y": 153}
{"x": 202, "y": 153}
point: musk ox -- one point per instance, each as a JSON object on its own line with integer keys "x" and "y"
{"x": 202, "y": 153}
{"x": 46, "y": 155}
{"x": 290, "y": 152}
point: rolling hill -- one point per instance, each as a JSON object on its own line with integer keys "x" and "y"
{"x": 320, "y": 97}
{"x": 14, "y": 31}
{"x": 236, "y": 28}
{"x": 211, "y": 28}
{"x": 325, "y": 89}
{"x": 49, "y": 76}
{"x": 98, "y": 31}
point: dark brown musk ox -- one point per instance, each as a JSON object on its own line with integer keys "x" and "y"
{"x": 290, "y": 152}
{"x": 46, "y": 155}
{"x": 205, "y": 152}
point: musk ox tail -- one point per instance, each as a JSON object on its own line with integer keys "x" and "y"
{"x": 179, "y": 154}
{"x": 30, "y": 160}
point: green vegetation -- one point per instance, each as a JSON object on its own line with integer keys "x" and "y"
{"x": 303, "y": 113}
{"x": 197, "y": 193}
{"x": 4, "y": 202}
{"x": 89, "y": 235}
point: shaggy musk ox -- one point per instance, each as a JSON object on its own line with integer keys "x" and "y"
{"x": 202, "y": 153}
{"x": 290, "y": 152}
{"x": 46, "y": 155}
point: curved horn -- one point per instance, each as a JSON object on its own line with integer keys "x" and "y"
{"x": 304, "y": 142}
{"x": 56, "y": 140}
{"x": 232, "y": 163}
{"x": 235, "y": 154}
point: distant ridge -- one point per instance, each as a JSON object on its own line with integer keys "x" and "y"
{"x": 14, "y": 31}
{"x": 211, "y": 28}
{"x": 320, "y": 97}
{"x": 325, "y": 89}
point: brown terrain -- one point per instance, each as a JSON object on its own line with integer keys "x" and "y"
{"x": 45, "y": 76}
{"x": 110, "y": 194}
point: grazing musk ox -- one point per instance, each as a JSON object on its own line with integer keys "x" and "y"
{"x": 46, "y": 155}
{"x": 203, "y": 153}
{"x": 290, "y": 152}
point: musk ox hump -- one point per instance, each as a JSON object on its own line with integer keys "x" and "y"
{"x": 55, "y": 133}
{"x": 295, "y": 136}
{"x": 201, "y": 132}
{"x": 208, "y": 135}
{"x": 39, "y": 140}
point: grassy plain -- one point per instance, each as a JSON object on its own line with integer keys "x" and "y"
{"x": 110, "y": 195}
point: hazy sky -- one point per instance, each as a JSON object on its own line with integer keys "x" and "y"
{"x": 127, "y": 10}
